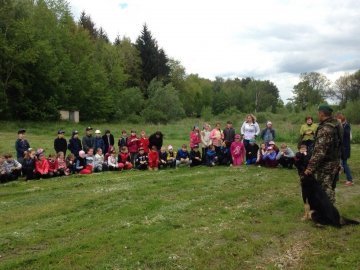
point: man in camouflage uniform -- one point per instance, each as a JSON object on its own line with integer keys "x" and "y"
{"x": 325, "y": 159}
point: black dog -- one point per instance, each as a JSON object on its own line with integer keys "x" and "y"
{"x": 322, "y": 211}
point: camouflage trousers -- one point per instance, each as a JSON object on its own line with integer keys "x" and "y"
{"x": 327, "y": 176}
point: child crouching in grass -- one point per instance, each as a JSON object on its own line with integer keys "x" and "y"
{"x": 81, "y": 166}
{"x": 195, "y": 156}
{"x": 183, "y": 156}
{"x": 141, "y": 161}
{"x": 163, "y": 158}
{"x": 12, "y": 168}
{"x": 153, "y": 159}
{"x": 124, "y": 160}
{"x": 28, "y": 165}
{"x": 99, "y": 161}
{"x": 211, "y": 156}
{"x": 112, "y": 162}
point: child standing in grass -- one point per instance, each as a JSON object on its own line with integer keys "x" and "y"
{"x": 75, "y": 144}
{"x": 183, "y": 156}
{"x": 21, "y": 145}
{"x": 238, "y": 151}
{"x": 195, "y": 137}
{"x": 153, "y": 159}
{"x": 141, "y": 161}
{"x": 41, "y": 165}
{"x": 133, "y": 143}
{"x": 123, "y": 140}
{"x": 28, "y": 165}
{"x": 144, "y": 141}
{"x": 60, "y": 143}
{"x": 205, "y": 141}
{"x": 99, "y": 142}
{"x": 124, "y": 160}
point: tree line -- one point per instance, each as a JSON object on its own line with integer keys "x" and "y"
{"x": 49, "y": 61}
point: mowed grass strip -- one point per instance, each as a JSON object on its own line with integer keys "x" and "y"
{"x": 190, "y": 218}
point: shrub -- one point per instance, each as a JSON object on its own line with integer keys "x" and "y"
{"x": 206, "y": 113}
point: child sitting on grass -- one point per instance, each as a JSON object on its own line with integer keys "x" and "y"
{"x": 53, "y": 165}
{"x": 211, "y": 156}
{"x": 81, "y": 166}
{"x": 141, "y": 161}
{"x": 28, "y": 165}
{"x": 285, "y": 157}
{"x": 269, "y": 158}
{"x": 99, "y": 162}
{"x": 124, "y": 160}
{"x": 12, "y": 168}
{"x": 224, "y": 155}
{"x": 61, "y": 163}
{"x": 71, "y": 163}
{"x": 260, "y": 154}
{"x": 41, "y": 165}
{"x": 163, "y": 158}
{"x": 171, "y": 157}
{"x": 237, "y": 150}
{"x": 153, "y": 159}
{"x": 90, "y": 158}
{"x": 195, "y": 156}
{"x": 112, "y": 162}
{"x": 183, "y": 156}
{"x": 252, "y": 152}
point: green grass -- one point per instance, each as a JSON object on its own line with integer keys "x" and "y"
{"x": 190, "y": 218}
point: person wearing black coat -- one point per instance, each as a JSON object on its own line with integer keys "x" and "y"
{"x": 88, "y": 140}
{"x": 109, "y": 140}
{"x": 229, "y": 134}
{"x": 156, "y": 139}
{"x": 75, "y": 144}
{"x": 60, "y": 143}
{"x": 346, "y": 148}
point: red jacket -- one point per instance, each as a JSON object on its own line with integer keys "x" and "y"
{"x": 153, "y": 159}
{"x": 195, "y": 138}
{"x": 53, "y": 165}
{"x": 42, "y": 166}
{"x": 124, "y": 157}
{"x": 144, "y": 142}
{"x": 133, "y": 144}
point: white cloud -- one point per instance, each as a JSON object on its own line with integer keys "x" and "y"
{"x": 274, "y": 39}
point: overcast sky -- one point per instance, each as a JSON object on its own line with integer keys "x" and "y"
{"x": 270, "y": 39}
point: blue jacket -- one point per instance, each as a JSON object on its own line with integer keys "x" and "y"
{"x": 75, "y": 146}
{"x": 99, "y": 143}
{"x": 211, "y": 155}
{"x": 182, "y": 154}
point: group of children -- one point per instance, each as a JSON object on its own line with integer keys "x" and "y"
{"x": 97, "y": 153}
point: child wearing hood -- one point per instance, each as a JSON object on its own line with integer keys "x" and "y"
{"x": 238, "y": 151}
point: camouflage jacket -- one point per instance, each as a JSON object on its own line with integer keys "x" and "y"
{"x": 328, "y": 140}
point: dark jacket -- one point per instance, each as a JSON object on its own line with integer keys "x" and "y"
{"x": 263, "y": 133}
{"x": 99, "y": 143}
{"x": 224, "y": 156}
{"x": 60, "y": 145}
{"x": 88, "y": 142}
{"x": 229, "y": 136}
{"x": 21, "y": 146}
{"x": 251, "y": 151}
{"x": 122, "y": 142}
{"x": 153, "y": 140}
{"x": 108, "y": 141}
{"x": 346, "y": 147}
{"x": 75, "y": 146}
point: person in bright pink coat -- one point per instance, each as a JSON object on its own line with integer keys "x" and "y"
{"x": 238, "y": 151}
{"x": 195, "y": 137}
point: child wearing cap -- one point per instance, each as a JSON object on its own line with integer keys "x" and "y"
{"x": 41, "y": 165}
{"x": 141, "y": 161}
{"x": 238, "y": 151}
{"x": 153, "y": 159}
{"x": 21, "y": 145}
{"x": 285, "y": 156}
{"x": 183, "y": 156}
{"x": 12, "y": 168}
{"x": 133, "y": 144}
{"x": 195, "y": 156}
{"x": 28, "y": 165}
{"x": 99, "y": 142}
{"x": 163, "y": 158}
{"x": 252, "y": 152}
{"x": 211, "y": 156}
{"x": 88, "y": 140}
{"x": 124, "y": 161}
{"x": 75, "y": 144}
{"x": 171, "y": 157}
{"x": 268, "y": 133}
{"x": 60, "y": 143}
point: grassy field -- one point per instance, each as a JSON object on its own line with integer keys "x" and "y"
{"x": 198, "y": 218}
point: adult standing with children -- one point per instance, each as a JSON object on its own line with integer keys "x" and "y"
{"x": 268, "y": 133}
{"x": 346, "y": 149}
{"x": 249, "y": 129}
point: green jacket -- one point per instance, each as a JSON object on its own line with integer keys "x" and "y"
{"x": 305, "y": 128}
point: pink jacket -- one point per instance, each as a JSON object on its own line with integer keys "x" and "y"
{"x": 195, "y": 138}
{"x": 237, "y": 149}
{"x": 217, "y": 137}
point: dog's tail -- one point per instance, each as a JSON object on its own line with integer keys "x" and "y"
{"x": 346, "y": 221}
